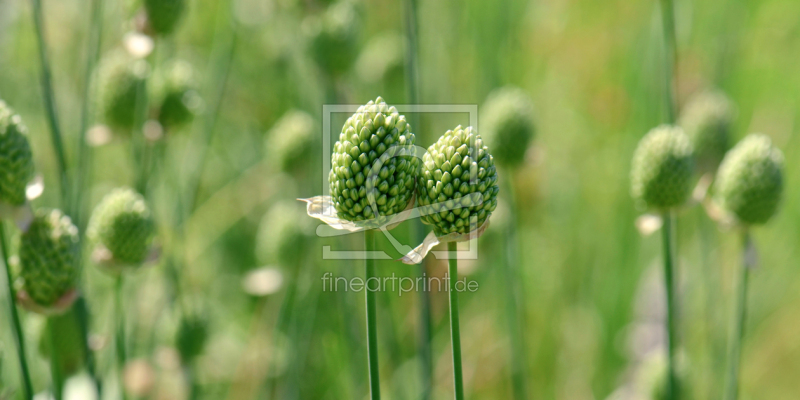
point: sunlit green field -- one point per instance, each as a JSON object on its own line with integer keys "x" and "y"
{"x": 590, "y": 305}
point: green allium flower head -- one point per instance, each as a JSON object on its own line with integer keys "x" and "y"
{"x": 707, "y": 120}
{"x": 291, "y": 140}
{"x": 373, "y": 172}
{"x": 119, "y": 81}
{"x": 508, "y": 124}
{"x": 281, "y": 237}
{"x": 458, "y": 183}
{"x": 750, "y": 180}
{"x": 662, "y": 170}
{"x": 191, "y": 337}
{"x": 16, "y": 160}
{"x": 47, "y": 253}
{"x": 163, "y": 15}
{"x": 176, "y": 95}
{"x": 333, "y": 37}
{"x": 122, "y": 222}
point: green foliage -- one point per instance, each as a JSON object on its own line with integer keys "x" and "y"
{"x": 458, "y": 183}
{"x": 750, "y": 180}
{"x": 16, "y": 160}
{"x": 291, "y": 140}
{"x": 191, "y": 337}
{"x": 707, "y": 120}
{"x": 372, "y": 175}
{"x": 175, "y": 95}
{"x": 662, "y": 169}
{"x": 507, "y": 124}
{"x": 123, "y": 223}
{"x": 282, "y": 238}
{"x": 333, "y": 37}
{"x": 163, "y": 15}
{"x": 47, "y": 253}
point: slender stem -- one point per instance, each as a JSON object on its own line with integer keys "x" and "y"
{"x": 19, "y": 337}
{"x": 669, "y": 274}
{"x": 372, "y": 323}
{"x": 49, "y": 100}
{"x": 119, "y": 337}
{"x": 455, "y": 329}
{"x": 670, "y": 59}
{"x": 55, "y": 361}
{"x": 734, "y": 360}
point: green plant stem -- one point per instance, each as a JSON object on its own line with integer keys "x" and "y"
{"x": 55, "y": 362}
{"x": 119, "y": 336}
{"x": 455, "y": 329}
{"x": 669, "y": 275}
{"x": 670, "y": 59}
{"x": 734, "y": 360}
{"x": 372, "y": 323}
{"x": 19, "y": 337}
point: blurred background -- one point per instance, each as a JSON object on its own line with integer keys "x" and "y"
{"x": 242, "y": 258}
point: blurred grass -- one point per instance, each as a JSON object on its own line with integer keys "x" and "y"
{"x": 593, "y": 70}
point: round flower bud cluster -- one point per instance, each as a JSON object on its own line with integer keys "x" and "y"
{"x": 662, "y": 169}
{"x": 175, "y": 95}
{"x": 120, "y": 81}
{"x": 508, "y": 124}
{"x": 281, "y": 235}
{"x": 123, "y": 224}
{"x": 707, "y": 120}
{"x": 47, "y": 254}
{"x": 290, "y": 141}
{"x": 333, "y": 37}
{"x": 750, "y": 180}
{"x": 191, "y": 337}
{"x": 458, "y": 183}
{"x": 373, "y": 170}
{"x": 16, "y": 160}
{"x": 163, "y": 15}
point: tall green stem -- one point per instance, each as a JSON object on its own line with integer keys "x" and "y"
{"x": 455, "y": 329}
{"x": 372, "y": 323}
{"x": 49, "y": 99}
{"x": 119, "y": 336}
{"x": 670, "y": 58}
{"x": 734, "y": 360}
{"x": 55, "y": 362}
{"x": 669, "y": 275}
{"x": 19, "y": 337}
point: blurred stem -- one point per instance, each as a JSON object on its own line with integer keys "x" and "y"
{"x": 455, "y": 329}
{"x": 670, "y": 59}
{"x": 417, "y": 230}
{"x": 734, "y": 360}
{"x": 55, "y": 361}
{"x": 119, "y": 337}
{"x": 514, "y": 313}
{"x": 668, "y": 242}
{"x": 49, "y": 100}
{"x": 372, "y": 323}
{"x": 19, "y": 337}
{"x": 711, "y": 282}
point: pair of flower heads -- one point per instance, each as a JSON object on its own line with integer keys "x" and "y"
{"x": 377, "y": 178}
{"x": 747, "y": 179}
{"x": 121, "y": 228}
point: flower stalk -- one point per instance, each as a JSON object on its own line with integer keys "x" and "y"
{"x": 19, "y": 337}
{"x": 455, "y": 329}
{"x": 740, "y": 316}
{"x": 669, "y": 277}
{"x": 372, "y": 323}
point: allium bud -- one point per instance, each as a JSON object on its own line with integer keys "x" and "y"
{"x": 290, "y": 141}
{"x": 123, "y": 224}
{"x": 120, "y": 81}
{"x": 163, "y": 15}
{"x": 191, "y": 337}
{"x": 707, "y": 120}
{"x": 47, "y": 254}
{"x": 662, "y": 169}
{"x": 16, "y": 160}
{"x": 373, "y": 170}
{"x": 749, "y": 183}
{"x": 333, "y": 37}
{"x": 282, "y": 237}
{"x": 175, "y": 95}
{"x": 507, "y": 124}
{"x": 458, "y": 183}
